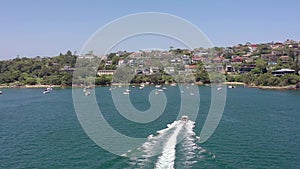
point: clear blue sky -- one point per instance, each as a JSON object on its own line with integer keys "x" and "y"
{"x": 46, "y": 28}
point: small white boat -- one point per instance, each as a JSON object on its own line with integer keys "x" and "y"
{"x": 46, "y": 91}
{"x": 49, "y": 88}
{"x": 156, "y": 92}
{"x": 231, "y": 87}
{"x": 219, "y": 88}
{"x": 127, "y": 90}
{"x": 164, "y": 88}
{"x": 157, "y": 86}
{"x": 173, "y": 84}
{"x": 160, "y": 90}
{"x": 192, "y": 94}
{"x": 184, "y": 118}
{"x": 141, "y": 87}
{"x": 0, "y": 92}
{"x": 126, "y": 93}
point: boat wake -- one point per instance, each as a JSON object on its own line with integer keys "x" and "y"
{"x": 173, "y": 147}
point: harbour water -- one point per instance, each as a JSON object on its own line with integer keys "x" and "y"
{"x": 259, "y": 129}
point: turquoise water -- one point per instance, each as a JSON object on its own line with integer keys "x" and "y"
{"x": 259, "y": 129}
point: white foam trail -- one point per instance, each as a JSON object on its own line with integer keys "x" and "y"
{"x": 153, "y": 146}
{"x": 189, "y": 146}
{"x": 166, "y": 160}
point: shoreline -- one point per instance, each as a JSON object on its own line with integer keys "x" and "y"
{"x": 290, "y": 87}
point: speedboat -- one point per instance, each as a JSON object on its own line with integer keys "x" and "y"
{"x": 173, "y": 84}
{"x": 0, "y": 92}
{"x": 87, "y": 93}
{"x": 231, "y": 87}
{"x": 46, "y": 91}
{"x": 184, "y": 118}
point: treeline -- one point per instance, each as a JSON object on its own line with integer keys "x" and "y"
{"x": 266, "y": 79}
{"x": 37, "y": 70}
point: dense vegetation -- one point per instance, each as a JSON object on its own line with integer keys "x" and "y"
{"x": 38, "y": 70}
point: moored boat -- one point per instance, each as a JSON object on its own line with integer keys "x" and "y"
{"x": 126, "y": 93}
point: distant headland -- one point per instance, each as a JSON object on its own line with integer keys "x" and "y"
{"x": 273, "y": 65}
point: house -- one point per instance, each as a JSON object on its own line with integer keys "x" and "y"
{"x": 269, "y": 57}
{"x": 138, "y": 71}
{"x": 121, "y": 62}
{"x": 217, "y": 59}
{"x": 197, "y": 59}
{"x": 278, "y": 52}
{"x": 190, "y": 68}
{"x": 154, "y": 70}
{"x": 170, "y": 70}
{"x": 249, "y": 60}
{"x": 105, "y": 72}
{"x": 108, "y": 63}
{"x": 68, "y": 69}
{"x": 237, "y": 59}
{"x": 146, "y": 71}
{"x": 186, "y": 59}
{"x": 89, "y": 55}
{"x": 285, "y": 59}
{"x": 229, "y": 68}
{"x": 282, "y": 72}
{"x": 246, "y": 68}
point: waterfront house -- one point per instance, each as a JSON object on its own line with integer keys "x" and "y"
{"x": 106, "y": 72}
{"x": 246, "y": 68}
{"x": 282, "y": 72}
